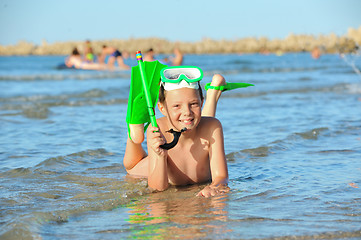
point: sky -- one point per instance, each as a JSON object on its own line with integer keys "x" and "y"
{"x": 174, "y": 20}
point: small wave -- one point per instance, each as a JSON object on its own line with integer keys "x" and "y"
{"x": 36, "y": 112}
{"x": 247, "y": 70}
{"x": 305, "y": 78}
{"x": 26, "y": 224}
{"x": 69, "y": 162}
{"x": 74, "y": 159}
{"x": 61, "y": 187}
{"x": 37, "y": 106}
{"x": 84, "y": 75}
{"x": 280, "y": 145}
{"x": 16, "y": 173}
{"x": 354, "y": 88}
{"x": 289, "y": 69}
{"x": 325, "y": 235}
{"x": 240, "y": 62}
{"x": 89, "y": 94}
{"x": 289, "y": 141}
{"x": 243, "y": 179}
{"x": 334, "y": 151}
{"x": 92, "y": 93}
{"x": 260, "y": 219}
{"x": 261, "y": 91}
{"x": 262, "y": 194}
{"x": 262, "y": 151}
{"x": 312, "y": 134}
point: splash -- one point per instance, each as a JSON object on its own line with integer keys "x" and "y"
{"x": 351, "y": 61}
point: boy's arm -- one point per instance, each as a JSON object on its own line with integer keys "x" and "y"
{"x": 157, "y": 172}
{"x": 218, "y": 162}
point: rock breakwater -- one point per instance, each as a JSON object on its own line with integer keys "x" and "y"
{"x": 292, "y": 43}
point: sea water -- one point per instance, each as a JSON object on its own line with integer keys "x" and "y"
{"x": 292, "y": 142}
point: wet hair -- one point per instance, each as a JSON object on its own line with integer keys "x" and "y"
{"x": 162, "y": 93}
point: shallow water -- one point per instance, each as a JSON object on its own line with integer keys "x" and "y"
{"x": 293, "y": 146}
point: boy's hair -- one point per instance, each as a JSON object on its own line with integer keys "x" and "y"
{"x": 162, "y": 93}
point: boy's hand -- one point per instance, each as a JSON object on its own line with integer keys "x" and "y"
{"x": 155, "y": 139}
{"x": 211, "y": 190}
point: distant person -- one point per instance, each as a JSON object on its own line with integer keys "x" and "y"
{"x": 75, "y": 61}
{"x": 316, "y": 53}
{"x": 149, "y": 55}
{"x": 264, "y": 51}
{"x": 89, "y": 55}
{"x": 177, "y": 60}
{"x": 114, "y": 55}
{"x": 125, "y": 55}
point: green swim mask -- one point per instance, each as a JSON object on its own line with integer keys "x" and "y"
{"x": 176, "y": 74}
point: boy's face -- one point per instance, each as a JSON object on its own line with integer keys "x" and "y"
{"x": 182, "y": 107}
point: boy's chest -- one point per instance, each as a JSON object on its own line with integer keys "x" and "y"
{"x": 189, "y": 165}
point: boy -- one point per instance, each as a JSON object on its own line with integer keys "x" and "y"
{"x": 199, "y": 155}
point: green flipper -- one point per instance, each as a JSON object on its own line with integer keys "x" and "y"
{"x": 228, "y": 86}
{"x": 137, "y": 111}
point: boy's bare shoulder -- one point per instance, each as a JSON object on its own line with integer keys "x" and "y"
{"x": 209, "y": 120}
{"x": 210, "y": 123}
{"x": 161, "y": 121}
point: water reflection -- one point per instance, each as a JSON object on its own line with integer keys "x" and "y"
{"x": 178, "y": 213}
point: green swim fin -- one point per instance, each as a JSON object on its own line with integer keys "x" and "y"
{"x": 137, "y": 111}
{"x": 228, "y": 86}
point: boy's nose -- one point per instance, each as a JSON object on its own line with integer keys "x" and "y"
{"x": 186, "y": 110}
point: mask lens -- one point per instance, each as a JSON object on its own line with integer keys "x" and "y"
{"x": 171, "y": 74}
{"x": 192, "y": 73}
{"x": 176, "y": 74}
{"x": 189, "y": 73}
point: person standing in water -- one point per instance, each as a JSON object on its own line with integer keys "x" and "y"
{"x": 316, "y": 53}
{"x": 149, "y": 55}
{"x": 177, "y": 60}
{"x": 89, "y": 55}
{"x": 114, "y": 55}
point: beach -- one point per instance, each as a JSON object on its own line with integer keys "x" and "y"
{"x": 292, "y": 142}
{"x": 330, "y": 43}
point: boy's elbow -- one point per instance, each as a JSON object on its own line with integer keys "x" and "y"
{"x": 158, "y": 187}
{"x": 161, "y": 189}
{"x": 127, "y": 164}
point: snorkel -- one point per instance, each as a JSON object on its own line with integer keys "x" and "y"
{"x": 150, "y": 105}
